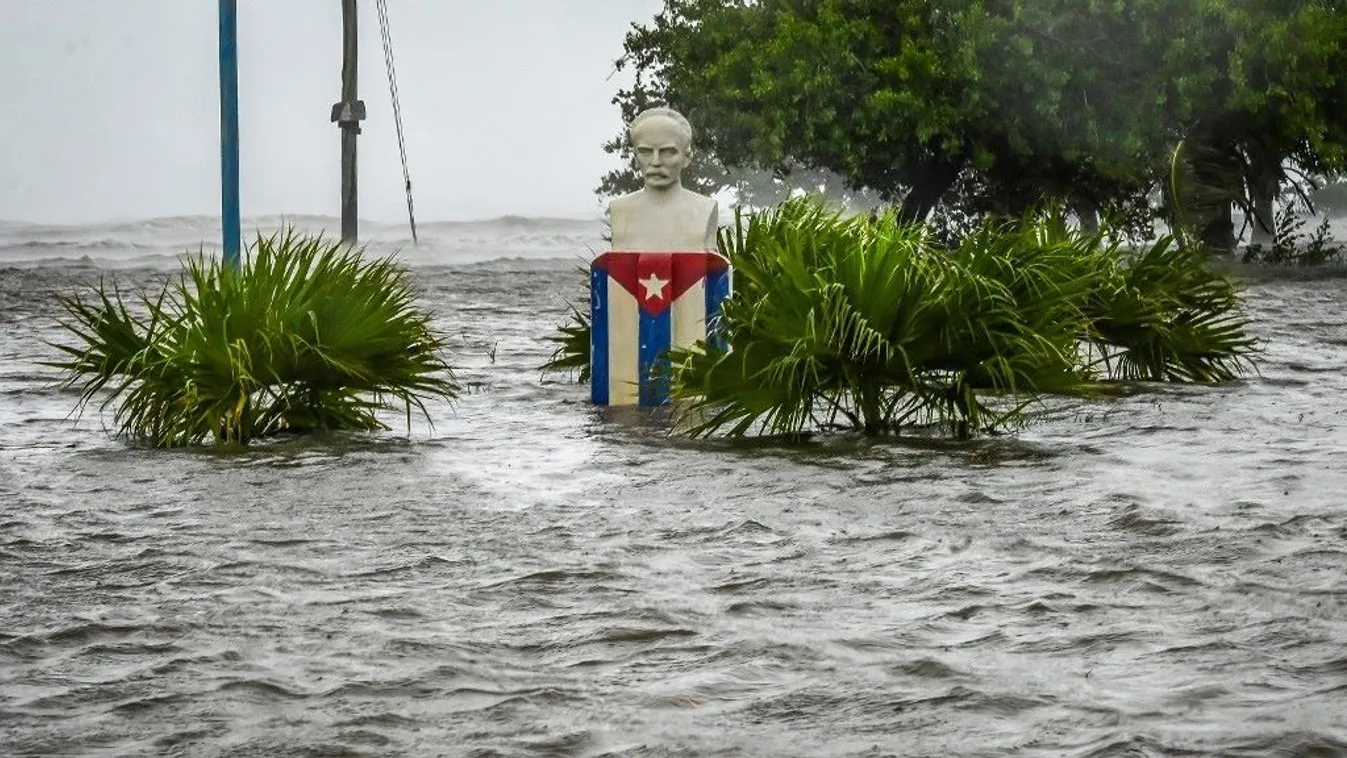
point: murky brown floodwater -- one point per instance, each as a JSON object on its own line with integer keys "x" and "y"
{"x": 1163, "y": 574}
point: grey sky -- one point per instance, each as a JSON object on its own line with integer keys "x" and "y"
{"x": 109, "y": 109}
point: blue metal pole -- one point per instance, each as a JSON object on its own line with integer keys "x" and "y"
{"x": 229, "y": 130}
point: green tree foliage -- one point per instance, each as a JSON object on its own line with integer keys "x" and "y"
{"x": 1259, "y": 92}
{"x": 1013, "y": 101}
{"x": 869, "y": 96}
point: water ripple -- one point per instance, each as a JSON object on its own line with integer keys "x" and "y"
{"x": 1155, "y": 574}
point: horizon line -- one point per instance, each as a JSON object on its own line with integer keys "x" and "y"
{"x": 589, "y": 216}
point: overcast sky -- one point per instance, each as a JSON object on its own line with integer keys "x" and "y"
{"x": 109, "y": 109}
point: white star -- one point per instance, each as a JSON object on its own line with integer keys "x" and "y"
{"x": 654, "y": 286}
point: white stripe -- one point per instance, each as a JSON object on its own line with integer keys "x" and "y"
{"x": 624, "y": 324}
{"x": 689, "y": 316}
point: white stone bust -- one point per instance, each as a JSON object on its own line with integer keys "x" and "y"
{"x": 663, "y": 215}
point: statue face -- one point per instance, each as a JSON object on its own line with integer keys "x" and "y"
{"x": 661, "y": 151}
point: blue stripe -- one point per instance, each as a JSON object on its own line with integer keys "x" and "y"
{"x": 656, "y": 335}
{"x": 598, "y": 337}
{"x": 717, "y": 289}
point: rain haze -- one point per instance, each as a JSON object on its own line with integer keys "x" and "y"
{"x": 975, "y": 487}
{"x": 112, "y": 108}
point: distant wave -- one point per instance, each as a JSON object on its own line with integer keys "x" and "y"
{"x": 167, "y": 239}
{"x": 73, "y": 244}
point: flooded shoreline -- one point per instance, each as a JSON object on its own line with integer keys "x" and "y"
{"x": 1154, "y": 574}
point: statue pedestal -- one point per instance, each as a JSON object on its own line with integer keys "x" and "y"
{"x": 641, "y": 305}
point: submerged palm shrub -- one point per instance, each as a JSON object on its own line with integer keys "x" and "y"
{"x": 572, "y": 346}
{"x": 867, "y": 323}
{"x": 1163, "y": 314}
{"x": 304, "y": 335}
{"x": 864, "y": 322}
{"x": 571, "y": 353}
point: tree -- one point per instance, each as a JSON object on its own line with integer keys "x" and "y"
{"x": 1083, "y": 100}
{"x": 902, "y": 97}
{"x": 874, "y": 97}
{"x": 1256, "y": 93}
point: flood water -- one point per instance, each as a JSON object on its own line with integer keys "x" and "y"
{"x": 1154, "y": 575}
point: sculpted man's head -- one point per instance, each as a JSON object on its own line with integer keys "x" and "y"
{"x": 662, "y": 141}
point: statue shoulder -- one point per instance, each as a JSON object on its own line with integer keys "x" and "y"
{"x": 702, "y": 202}
{"x": 624, "y": 202}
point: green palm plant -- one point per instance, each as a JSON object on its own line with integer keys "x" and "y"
{"x": 1165, "y": 315}
{"x": 572, "y": 346}
{"x": 571, "y": 353}
{"x": 1161, "y": 313}
{"x": 864, "y": 322}
{"x": 847, "y": 318}
{"x": 305, "y": 335}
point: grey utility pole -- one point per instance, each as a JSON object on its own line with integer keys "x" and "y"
{"x": 348, "y": 114}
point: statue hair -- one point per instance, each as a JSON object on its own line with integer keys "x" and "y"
{"x": 683, "y": 124}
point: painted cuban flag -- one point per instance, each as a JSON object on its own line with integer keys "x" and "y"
{"x": 642, "y": 304}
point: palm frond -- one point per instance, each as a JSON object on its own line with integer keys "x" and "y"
{"x": 305, "y": 334}
{"x": 865, "y": 321}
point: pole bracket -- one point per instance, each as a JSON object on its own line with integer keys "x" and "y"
{"x": 349, "y": 114}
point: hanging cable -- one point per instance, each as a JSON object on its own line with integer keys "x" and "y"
{"x": 382, "y": 7}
